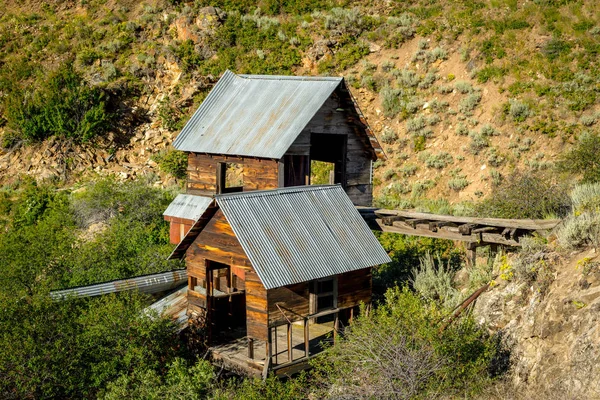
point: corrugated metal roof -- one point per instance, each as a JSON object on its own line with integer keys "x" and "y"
{"x": 173, "y": 306}
{"x": 188, "y": 206}
{"x": 254, "y": 115}
{"x": 298, "y": 234}
{"x": 194, "y": 231}
{"x": 152, "y": 283}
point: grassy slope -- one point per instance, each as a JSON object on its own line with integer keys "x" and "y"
{"x": 461, "y": 93}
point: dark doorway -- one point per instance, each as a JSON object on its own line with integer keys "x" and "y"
{"x": 330, "y": 148}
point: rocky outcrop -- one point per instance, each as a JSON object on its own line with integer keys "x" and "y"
{"x": 554, "y": 336}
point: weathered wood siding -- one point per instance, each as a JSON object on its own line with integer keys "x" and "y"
{"x": 354, "y": 287}
{"x": 292, "y": 297}
{"x": 217, "y": 242}
{"x": 202, "y": 173}
{"x": 256, "y": 307}
{"x": 328, "y": 120}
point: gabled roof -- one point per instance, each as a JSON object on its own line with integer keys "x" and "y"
{"x": 188, "y": 206}
{"x": 254, "y": 115}
{"x": 298, "y": 234}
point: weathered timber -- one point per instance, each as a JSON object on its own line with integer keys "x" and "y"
{"x": 416, "y": 221}
{"x": 526, "y": 224}
{"x": 484, "y": 230}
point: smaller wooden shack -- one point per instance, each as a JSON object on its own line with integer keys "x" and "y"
{"x": 272, "y": 273}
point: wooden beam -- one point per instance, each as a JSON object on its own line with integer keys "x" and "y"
{"x": 526, "y": 224}
{"x": 306, "y": 339}
{"x": 401, "y": 227}
{"x": 251, "y": 348}
{"x": 415, "y": 222}
{"x": 289, "y": 342}
{"x": 466, "y": 229}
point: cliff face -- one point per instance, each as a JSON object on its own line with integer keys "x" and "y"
{"x": 552, "y": 329}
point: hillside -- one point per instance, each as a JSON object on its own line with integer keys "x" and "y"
{"x": 459, "y": 93}
{"x": 475, "y": 103}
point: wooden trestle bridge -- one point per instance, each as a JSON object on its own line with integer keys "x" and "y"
{"x": 476, "y": 232}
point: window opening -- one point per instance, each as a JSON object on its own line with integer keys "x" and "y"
{"x": 230, "y": 177}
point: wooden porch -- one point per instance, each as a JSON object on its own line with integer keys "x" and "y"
{"x": 289, "y": 348}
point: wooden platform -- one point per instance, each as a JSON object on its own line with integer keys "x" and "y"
{"x": 507, "y": 232}
{"x": 233, "y": 355}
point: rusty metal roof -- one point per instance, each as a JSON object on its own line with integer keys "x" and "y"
{"x": 298, "y": 234}
{"x": 188, "y": 206}
{"x": 152, "y": 283}
{"x": 254, "y": 115}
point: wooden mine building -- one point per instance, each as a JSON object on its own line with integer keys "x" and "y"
{"x": 275, "y": 265}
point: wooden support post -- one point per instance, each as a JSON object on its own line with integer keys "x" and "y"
{"x": 351, "y": 314}
{"x": 306, "y": 339}
{"x": 276, "y": 350}
{"x": 268, "y": 348}
{"x": 471, "y": 254}
{"x": 336, "y": 322}
{"x": 289, "y": 342}
{"x": 251, "y": 348}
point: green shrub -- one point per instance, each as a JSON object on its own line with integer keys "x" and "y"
{"x": 583, "y": 158}
{"x": 490, "y": 73}
{"x": 463, "y": 87}
{"x": 517, "y": 110}
{"x": 578, "y": 231}
{"x": 525, "y": 194}
{"x": 390, "y": 101}
{"x": 173, "y": 162}
{"x": 62, "y": 106}
{"x": 438, "y": 161}
{"x": 415, "y": 124}
{"x": 434, "y": 282}
{"x": 458, "y": 183}
{"x": 397, "y": 351}
{"x": 586, "y": 198}
{"x": 388, "y": 136}
{"x": 469, "y": 103}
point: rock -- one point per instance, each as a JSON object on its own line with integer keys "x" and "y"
{"x": 320, "y": 49}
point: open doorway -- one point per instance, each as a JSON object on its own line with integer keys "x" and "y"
{"x": 328, "y": 158}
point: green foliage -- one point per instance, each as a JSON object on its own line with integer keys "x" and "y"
{"x": 388, "y": 136}
{"x": 490, "y": 73}
{"x": 173, "y": 162}
{"x": 437, "y": 161}
{"x": 525, "y": 194}
{"x": 583, "y": 158}
{"x": 74, "y": 348}
{"x": 554, "y": 48}
{"x": 406, "y": 252}
{"x": 397, "y": 351}
{"x": 180, "y": 381}
{"x": 434, "y": 281}
{"x": 63, "y": 105}
{"x": 320, "y": 172}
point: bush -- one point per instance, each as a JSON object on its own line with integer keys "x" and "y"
{"x": 63, "y": 105}
{"x": 433, "y": 281}
{"x": 406, "y": 252}
{"x": 469, "y": 103}
{"x": 173, "y": 162}
{"x": 398, "y": 352}
{"x": 579, "y": 230}
{"x": 390, "y": 101}
{"x": 525, "y": 194}
{"x": 583, "y": 158}
{"x": 586, "y": 198}
{"x": 438, "y": 161}
{"x": 388, "y": 136}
